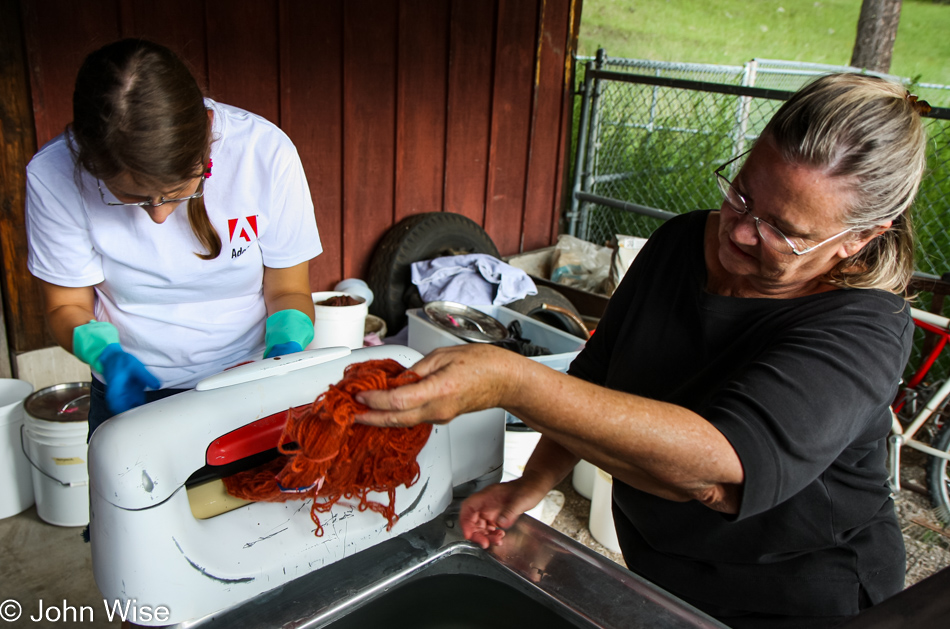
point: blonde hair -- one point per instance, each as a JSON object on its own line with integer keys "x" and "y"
{"x": 865, "y": 129}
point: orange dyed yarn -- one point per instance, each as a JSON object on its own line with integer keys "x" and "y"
{"x": 332, "y": 457}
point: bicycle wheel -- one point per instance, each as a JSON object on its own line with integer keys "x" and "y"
{"x": 938, "y": 481}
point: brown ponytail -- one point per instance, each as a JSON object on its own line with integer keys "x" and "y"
{"x": 204, "y": 231}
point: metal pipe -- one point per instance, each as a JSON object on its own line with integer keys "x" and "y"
{"x": 624, "y": 205}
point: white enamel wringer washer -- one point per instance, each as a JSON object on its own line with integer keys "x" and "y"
{"x": 150, "y": 550}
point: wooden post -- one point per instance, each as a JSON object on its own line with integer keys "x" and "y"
{"x": 25, "y": 326}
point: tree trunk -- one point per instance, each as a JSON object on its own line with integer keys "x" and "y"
{"x": 877, "y": 30}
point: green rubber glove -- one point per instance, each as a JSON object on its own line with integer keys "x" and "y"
{"x": 90, "y": 339}
{"x": 287, "y": 326}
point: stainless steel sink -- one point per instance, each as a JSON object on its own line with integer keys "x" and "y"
{"x": 432, "y": 578}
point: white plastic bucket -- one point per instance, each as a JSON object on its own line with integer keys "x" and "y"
{"x": 601, "y": 522}
{"x": 583, "y": 479}
{"x": 55, "y": 439}
{"x": 16, "y": 485}
{"x": 338, "y": 326}
{"x": 518, "y": 448}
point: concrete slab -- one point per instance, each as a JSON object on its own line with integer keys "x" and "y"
{"x": 46, "y": 572}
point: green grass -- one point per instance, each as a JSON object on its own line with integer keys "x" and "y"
{"x": 732, "y": 32}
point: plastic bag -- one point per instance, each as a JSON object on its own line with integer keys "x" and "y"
{"x": 627, "y": 249}
{"x": 580, "y": 264}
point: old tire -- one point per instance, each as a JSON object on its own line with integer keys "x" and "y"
{"x": 415, "y": 238}
{"x": 533, "y": 306}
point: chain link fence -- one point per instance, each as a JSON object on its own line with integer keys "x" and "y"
{"x": 652, "y": 133}
{"x": 772, "y": 74}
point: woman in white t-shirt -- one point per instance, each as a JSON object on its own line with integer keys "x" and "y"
{"x": 172, "y": 234}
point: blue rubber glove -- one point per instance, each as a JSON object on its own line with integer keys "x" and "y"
{"x": 126, "y": 379}
{"x": 284, "y": 330}
{"x": 283, "y": 348}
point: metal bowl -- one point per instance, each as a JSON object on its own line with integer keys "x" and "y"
{"x": 466, "y": 322}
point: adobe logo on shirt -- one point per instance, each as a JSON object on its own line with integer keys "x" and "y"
{"x": 242, "y": 232}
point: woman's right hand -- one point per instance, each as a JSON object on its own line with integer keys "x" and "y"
{"x": 486, "y": 514}
{"x": 126, "y": 379}
{"x": 455, "y": 380}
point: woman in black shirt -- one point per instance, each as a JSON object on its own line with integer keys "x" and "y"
{"x": 738, "y": 386}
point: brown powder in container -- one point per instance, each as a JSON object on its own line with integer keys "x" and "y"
{"x": 340, "y": 300}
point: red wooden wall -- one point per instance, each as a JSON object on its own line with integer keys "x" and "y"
{"x": 396, "y": 106}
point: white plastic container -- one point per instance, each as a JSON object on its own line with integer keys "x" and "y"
{"x": 583, "y": 478}
{"x": 55, "y": 433}
{"x": 601, "y": 522}
{"x": 425, "y": 336}
{"x": 16, "y": 484}
{"x": 518, "y": 448}
{"x": 338, "y": 326}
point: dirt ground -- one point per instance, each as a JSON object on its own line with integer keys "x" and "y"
{"x": 926, "y": 538}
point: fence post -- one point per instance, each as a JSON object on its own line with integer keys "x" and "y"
{"x": 592, "y": 135}
{"x": 745, "y": 102}
{"x": 581, "y": 151}
{"x": 654, "y": 99}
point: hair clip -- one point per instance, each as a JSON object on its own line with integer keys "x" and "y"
{"x": 920, "y": 106}
{"x": 208, "y": 172}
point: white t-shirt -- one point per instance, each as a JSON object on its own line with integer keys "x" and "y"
{"x": 185, "y": 318}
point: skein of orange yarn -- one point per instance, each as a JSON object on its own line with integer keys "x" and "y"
{"x": 328, "y": 457}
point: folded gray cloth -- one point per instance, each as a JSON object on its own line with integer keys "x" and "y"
{"x": 474, "y": 279}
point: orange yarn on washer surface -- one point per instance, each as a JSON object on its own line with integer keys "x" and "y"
{"x": 328, "y": 456}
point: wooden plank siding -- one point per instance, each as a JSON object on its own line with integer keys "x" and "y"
{"x": 515, "y": 46}
{"x": 468, "y": 111}
{"x": 369, "y": 127}
{"x": 22, "y": 297}
{"x": 396, "y": 106}
{"x": 421, "y": 88}
{"x": 243, "y": 54}
{"x": 546, "y": 110}
{"x": 311, "y": 112}
{"x": 149, "y": 19}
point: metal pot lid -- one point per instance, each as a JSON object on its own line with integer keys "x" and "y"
{"x": 465, "y": 322}
{"x": 60, "y": 403}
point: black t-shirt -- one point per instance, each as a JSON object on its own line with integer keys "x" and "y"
{"x": 800, "y": 388}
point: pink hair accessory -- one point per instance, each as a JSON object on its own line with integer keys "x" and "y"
{"x": 208, "y": 172}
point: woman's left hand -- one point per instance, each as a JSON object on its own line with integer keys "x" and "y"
{"x": 455, "y": 380}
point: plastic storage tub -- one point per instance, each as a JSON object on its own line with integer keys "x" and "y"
{"x": 425, "y": 336}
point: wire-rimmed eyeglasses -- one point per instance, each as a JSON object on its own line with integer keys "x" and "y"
{"x": 770, "y": 234}
{"x": 149, "y": 203}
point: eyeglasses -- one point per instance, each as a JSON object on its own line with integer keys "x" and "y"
{"x": 770, "y": 234}
{"x": 161, "y": 200}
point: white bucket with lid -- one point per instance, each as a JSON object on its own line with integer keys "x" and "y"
{"x": 338, "y": 326}
{"x": 16, "y": 485}
{"x": 55, "y": 440}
